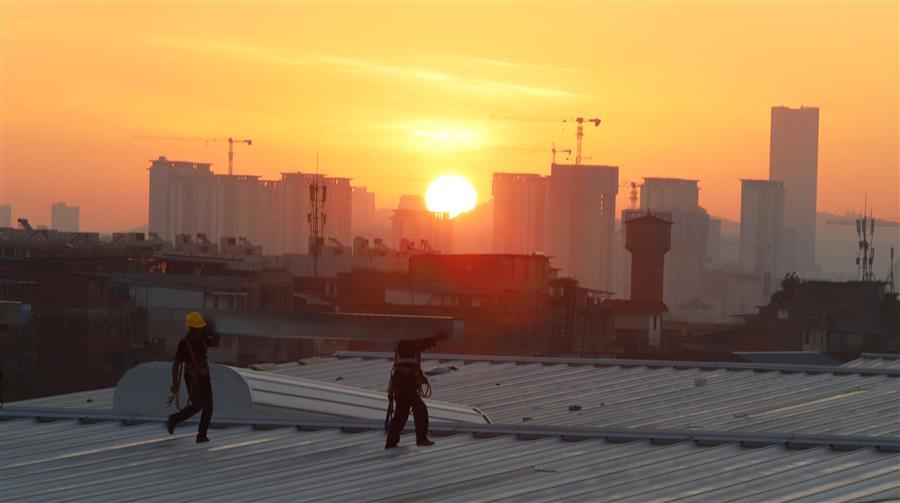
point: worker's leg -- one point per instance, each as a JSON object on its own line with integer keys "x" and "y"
{"x": 420, "y": 415}
{"x": 401, "y": 414}
{"x": 206, "y": 401}
{"x": 403, "y": 384}
{"x": 193, "y": 406}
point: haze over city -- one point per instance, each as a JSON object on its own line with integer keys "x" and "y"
{"x": 394, "y": 96}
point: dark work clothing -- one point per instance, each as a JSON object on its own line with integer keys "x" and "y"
{"x": 406, "y": 381}
{"x": 405, "y": 387}
{"x": 411, "y": 350}
{"x": 196, "y": 379}
{"x": 200, "y": 391}
{"x": 184, "y": 355}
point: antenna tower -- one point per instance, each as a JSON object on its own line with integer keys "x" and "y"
{"x": 316, "y": 218}
{"x": 865, "y": 232}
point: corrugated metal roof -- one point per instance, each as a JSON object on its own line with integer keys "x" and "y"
{"x": 69, "y": 460}
{"x": 875, "y": 361}
{"x": 628, "y": 394}
{"x": 91, "y": 399}
{"x": 632, "y": 395}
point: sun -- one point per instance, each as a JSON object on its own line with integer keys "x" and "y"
{"x": 451, "y": 194}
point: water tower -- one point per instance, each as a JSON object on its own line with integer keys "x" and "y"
{"x": 648, "y": 237}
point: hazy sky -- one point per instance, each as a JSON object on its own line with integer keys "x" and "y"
{"x": 396, "y": 94}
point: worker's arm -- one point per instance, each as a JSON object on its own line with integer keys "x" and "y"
{"x": 428, "y": 342}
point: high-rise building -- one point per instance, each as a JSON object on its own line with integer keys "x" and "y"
{"x": 64, "y": 218}
{"x": 793, "y": 160}
{"x": 765, "y": 244}
{"x": 5, "y": 215}
{"x": 339, "y": 210}
{"x": 188, "y": 198}
{"x": 686, "y": 260}
{"x": 179, "y": 198}
{"x": 521, "y": 216}
{"x": 582, "y": 213}
{"x": 413, "y": 224}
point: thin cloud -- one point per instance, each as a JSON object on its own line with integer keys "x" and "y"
{"x": 461, "y": 83}
{"x": 527, "y": 66}
{"x": 451, "y": 81}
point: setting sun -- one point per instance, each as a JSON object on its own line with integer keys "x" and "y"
{"x": 451, "y": 194}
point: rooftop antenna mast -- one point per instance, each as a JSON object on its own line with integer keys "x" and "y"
{"x": 316, "y": 218}
{"x": 890, "y": 278}
{"x": 865, "y": 232}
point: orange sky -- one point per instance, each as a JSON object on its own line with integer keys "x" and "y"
{"x": 396, "y": 94}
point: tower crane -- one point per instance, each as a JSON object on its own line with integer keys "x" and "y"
{"x": 553, "y": 151}
{"x": 579, "y": 129}
{"x": 231, "y": 141}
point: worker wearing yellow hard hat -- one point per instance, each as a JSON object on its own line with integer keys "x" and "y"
{"x": 191, "y": 360}
{"x": 195, "y": 320}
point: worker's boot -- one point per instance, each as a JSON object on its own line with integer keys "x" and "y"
{"x": 170, "y": 425}
{"x": 424, "y": 442}
{"x": 202, "y": 438}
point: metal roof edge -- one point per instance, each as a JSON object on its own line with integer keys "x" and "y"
{"x": 881, "y": 356}
{"x": 623, "y": 362}
{"x": 747, "y": 439}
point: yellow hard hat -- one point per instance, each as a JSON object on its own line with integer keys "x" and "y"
{"x": 195, "y": 320}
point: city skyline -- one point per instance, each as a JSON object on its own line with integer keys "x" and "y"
{"x": 394, "y": 117}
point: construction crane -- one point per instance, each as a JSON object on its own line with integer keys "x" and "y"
{"x": 231, "y": 141}
{"x": 553, "y": 151}
{"x": 632, "y": 193}
{"x": 865, "y": 232}
{"x": 579, "y": 130}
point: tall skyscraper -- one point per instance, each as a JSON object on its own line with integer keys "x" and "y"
{"x": 521, "y": 213}
{"x": 5, "y": 215}
{"x": 582, "y": 222}
{"x": 765, "y": 244}
{"x": 64, "y": 218}
{"x": 686, "y": 261}
{"x": 793, "y": 160}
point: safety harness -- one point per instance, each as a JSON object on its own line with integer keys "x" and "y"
{"x": 196, "y": 370}
{"x": 405, "y": 365}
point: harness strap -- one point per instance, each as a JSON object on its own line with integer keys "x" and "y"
{"x": 196, "y": 369}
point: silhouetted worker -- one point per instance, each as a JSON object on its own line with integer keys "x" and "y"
{"x": 407, "y": 387}
{"x": 191, "y": 356}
